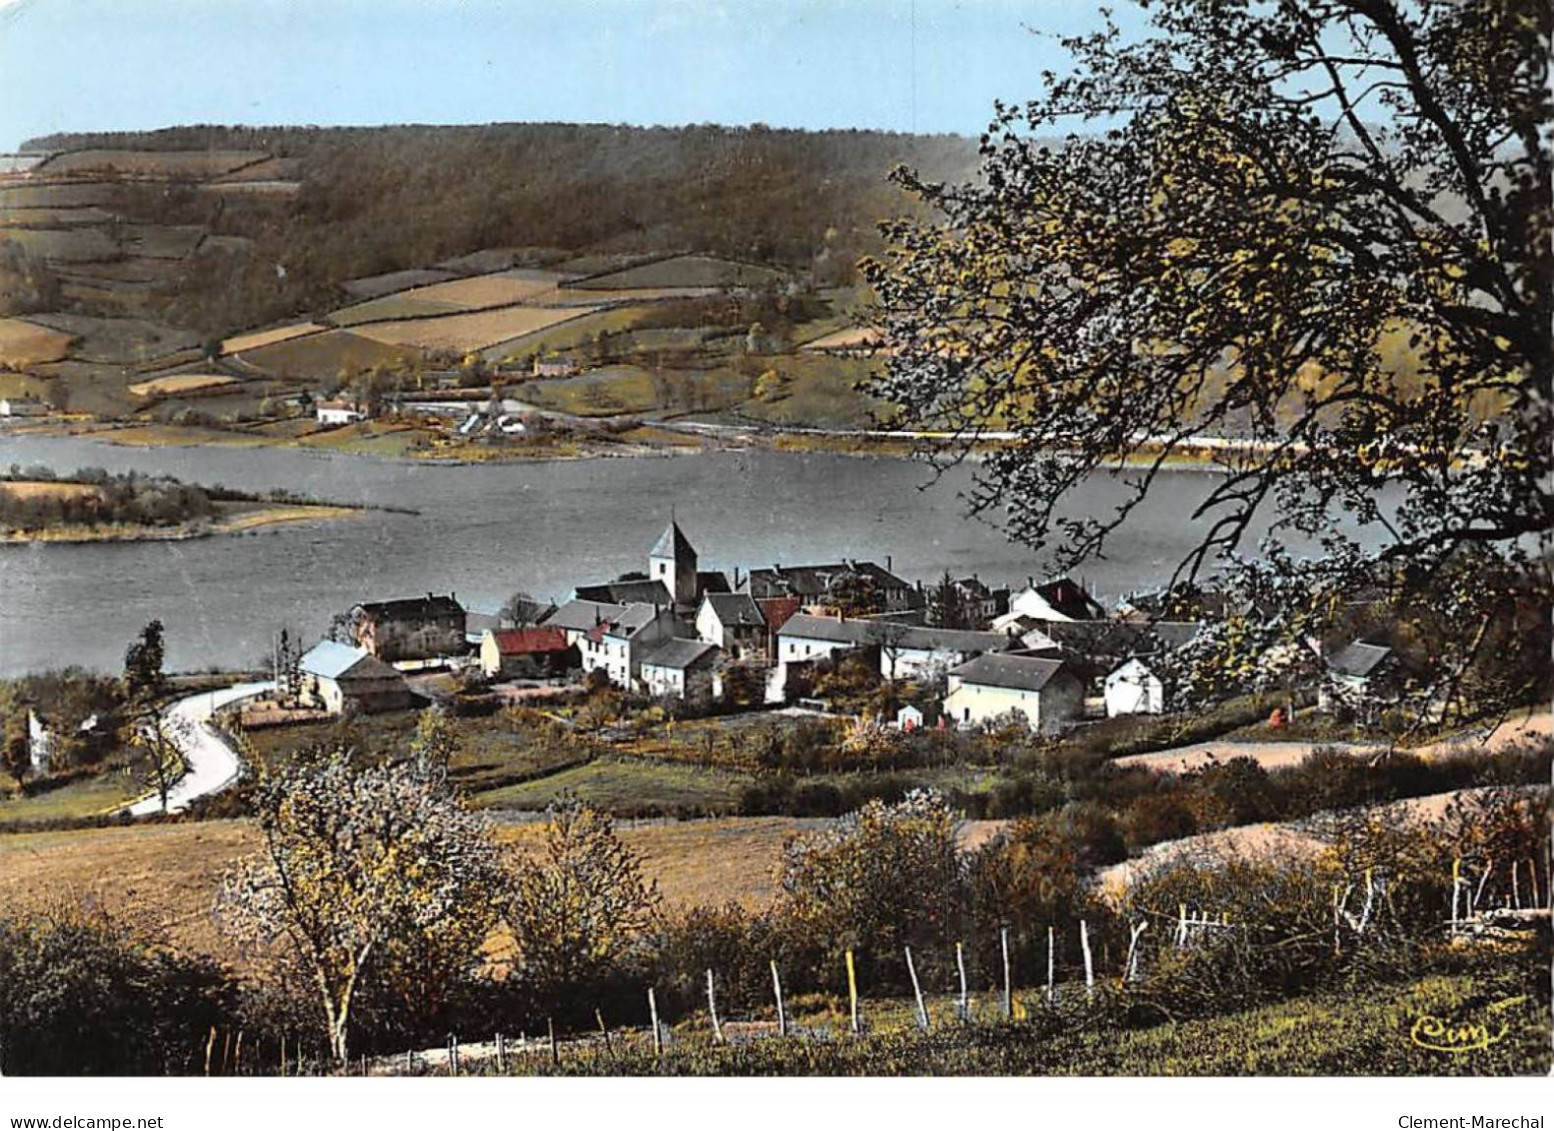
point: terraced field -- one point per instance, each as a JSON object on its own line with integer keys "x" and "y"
{"x": 388, "y": 307}
{"x": 500, "y": 289}
{"x": 119, "y": 341}
{"x": 64, "y": 245}
{"x": 27, "y": 343}
{"x": 149, "y": 164}
{"x": 685, "y": 271}
{"x": 183, "y": 383}
{"x": 461, "y": 333}
{"x": 321, "y": 356}
{"x": 377, "y": 286}
{"x": 258, "y": 339}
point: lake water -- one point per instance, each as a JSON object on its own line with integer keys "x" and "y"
{"x": 484, "y": 531}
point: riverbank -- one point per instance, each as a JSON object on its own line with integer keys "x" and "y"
{"x": 240, "y": 518}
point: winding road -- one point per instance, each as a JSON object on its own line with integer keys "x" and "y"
{"x": 212, "y": 764}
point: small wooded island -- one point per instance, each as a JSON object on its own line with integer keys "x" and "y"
{"x": 37, "y": 505}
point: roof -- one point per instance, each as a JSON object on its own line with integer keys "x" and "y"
{"x": 626, "y": 621}
{"x": 1359, "y": 659}
{"x": 1023, "y": 673}
{"x": 1069, "y": 598}
{"x": 580, "y": 615}
{"x": 429, "y": 607}
{"x": 331, "y": 660}
{"x": 680, "y": 654}
{"x": 528, "y": 641}
{"x": 736, "y": 610}
{"x": 712, "y": 581}
{"x": 627, "y": 592}
{"x": 893, "y": 634}
{"x": 779, "y": 610}
{"x": 673, "y": 544}
{"x": 815, "y": 580}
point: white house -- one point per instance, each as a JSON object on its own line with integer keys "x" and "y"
{"x": 22, "y": 406}
{"x": 578, "y": 617}
{"x": 1043, "y": 690}
{"x": 335, "y": 676}
{"x": 1061, "y": 600}
{"x": 805, "y": 637}
{"x": 338, "y": 412}
{"x": 1357, "y": 675}
{"x": 680, "y": 669}
{"x": 733, "y": 622}
{"x": 909, "y": 718}
{"x": 618, "y": 646}
{"x": 1134, "y": 689}
{"x": 906, "y": 651}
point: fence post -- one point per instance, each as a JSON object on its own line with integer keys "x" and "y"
{"x": 501, "y": 1054}
{"x": 604, "y": 1030}
{"x": 917, "y": 991}
{"x": 965, "y": 996}
{"x": 1456, "y": 891}
{"x": 852, "y": 990}
{"x": 1532, "y": 880}
{"x": 782, "y": 1017}
{"x": 1516, "y": 891}
{"x": 1003, "y": 939}
{"x": 712, "y": 1009}
{"x": 1484, "y": 879}
{"x": 453, "y": 1055}
{"x": 283, "y": 1056}
{"x": 409, "y": 1062}
{"x": 1084, "y": 945}
{"x": 658, "y": 1037}
{"x": 210, "y": 1045}
{"x": 1051, "y": 964}
{"x": 1130, "y": 970}
{"x": 1181, "y": 924}
{"x": 237, "y": 1055}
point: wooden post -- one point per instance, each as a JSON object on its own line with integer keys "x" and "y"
{"x": 1084, "y": 945}
{"x": 1484, "y": 879}
{"x": 453, "y": 1055}
{"x": 1003, "y": 939}
{"x": 852, "y": 990}
{"x": 1516, "y": 891}
{"x": 210, "y": 1045}
{"x": 226, "y": 1050}
{"x": 658, "y": 1036}
{"x": 501, "y": 1054}
{"x": 237, "y": 1055}
{"x": 283, "y": 1055}
{"x": 712, "y": 1009}
{"x": 1456, "y": 891}
{"x": 1051, "y": 964}
{"x": 965, "y": 996}
{"x": 917, "y": 991}
{"x": 409, "y": 1062}
{"x": 604, "y": 1030}
{"x": 1532, "y": 880}
{"x": 1181, "y": 924}
{"x": 782, "y": 1017}
{"x": 1130, "y": 968}
{"x": 555, "y": 1050}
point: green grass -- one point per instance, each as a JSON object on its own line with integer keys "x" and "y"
{"x": 88, "y": 797}
{"x": 685, "y": 271}
{"x": 818, "y": 393}
{"x": 630, "y": 786}
{"x": 388, "y": 307}
{"x": 567, "y": 335}
{"x": 1333, "y": 1033}
{"x": 627, "y": 388}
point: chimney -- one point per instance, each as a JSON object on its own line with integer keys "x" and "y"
{"x": 890, "y": 565}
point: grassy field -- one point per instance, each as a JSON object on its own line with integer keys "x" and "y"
{"x": 152, "y": 164}
{"x": 45, "y": 489}
{"x": 77, "y": 194}
{"x": 64, "y": 245}
{"x": 321, "y": 357}
{"x": 119, "y": 341}
{"x": 685, "y": 271}
{"x": 464, "y": 332}
{"x": 258, "y": 339}
{"x": 629, "y": 785}
{"x": 89, "y": 797}
{"x": 388, "y": 307}
{"x": 29, "y": 217}
{"x": 181, "y": 383}
{"x": 817, "y": 390}
{"x": 1335, "y": 1033}
{"x": 27, "y": 343}
{"x": 378, "y": 286}
{"x": 567, "y": 335}
{"x": 498, "y": 289}
{"x": 158, "y": 241}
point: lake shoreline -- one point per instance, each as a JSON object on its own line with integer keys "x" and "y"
{"x": 279, "y": 514}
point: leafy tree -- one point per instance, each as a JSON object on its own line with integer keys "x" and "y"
{"x": 434, "y": 744}
{"x": 151, "y": 727}
{"x": 361, "y": 867}
{"x": 1322, "y": 226}
{"x": 523, "y": 609}
{"x": 579, "y": 906}
{"x": 854, "y": 593}
{"x": 17, "y": 748}
{"x": 950, "y": 607}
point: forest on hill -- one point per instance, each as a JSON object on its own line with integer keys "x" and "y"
{"x": 382, "y": 199}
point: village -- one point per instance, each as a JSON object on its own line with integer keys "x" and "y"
{"x": 1044, "y": 656}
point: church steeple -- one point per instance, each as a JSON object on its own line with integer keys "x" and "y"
{"x": 673, "y": 561}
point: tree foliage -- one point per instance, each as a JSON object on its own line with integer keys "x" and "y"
{"x": 1320, "y": 226}
{"x": 362, "y": 871}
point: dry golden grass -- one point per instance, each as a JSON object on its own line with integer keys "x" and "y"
{"x": 261, "y": 338}
{"x": 500, "y": 289}
{"x": 570, "y": 296}
{"x": 464, "y": 332}
{"x": 25, "y": 343}
{"x": 35, "y": 489}
{"x": 182, "y": 383}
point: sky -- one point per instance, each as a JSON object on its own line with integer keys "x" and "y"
{"x": 933, "y": 66}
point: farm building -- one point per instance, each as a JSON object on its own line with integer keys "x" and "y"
{"x": 556, "y": 367}
{"x": 680, "y": 669}
{"x": 733, "y": 622}
{"x": 616, "y": 646}
{"x": 1134, "y": 689}
{"x": 338, "y": 412}
{"x": 336, "y": 677}
{"x": 820, "y": 585}
{"x": 905, "y": 651}
{"x": 1060, "y": 600}
{"x": 533, "y": 653}
{"x": 22, "y": 406}
{"x": 1358, "y": 674}
{"x": 1040, "y": 689}
{"x": 414, "y": 628}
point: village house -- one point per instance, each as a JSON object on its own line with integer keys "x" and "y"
{"x": 555, "y": 367}
{"x": 905, "y": 651}
{"x": 22, "y": 406}
{"x": 1134, "y": 687}
{"x": 529, "y": 653}
{"x": 1040, "y": 689}
{"x": 818, "y": 585}
{"x": 338, "y": 412}
{"x": 335, "y": 677}
{"x": 733, "y": 622}
{"x": 626, "y": 591}
{"x": 413, "y": 628}
{"x": 680, "y": 669}
{"x": 577, "y": 618}
{"x": 618, "y": 645}
{"x": 1058, "y": 601}
{"x": 1359, "y": 675}
{"x": 980, "y": 599}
